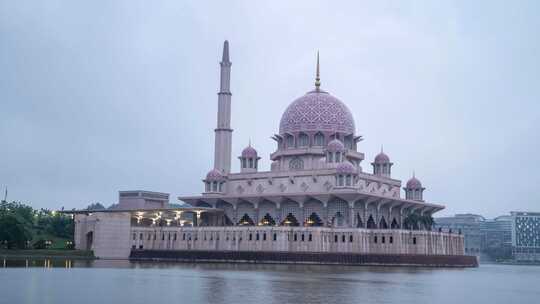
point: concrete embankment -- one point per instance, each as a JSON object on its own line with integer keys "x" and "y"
{"x": 304, "y": 258}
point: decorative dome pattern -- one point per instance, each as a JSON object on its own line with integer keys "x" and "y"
{"x": 382, "y": 158}
{"x": 346, "y": 168}
{"x": 414, "y": 183}
{"x": 249, "y": 152}
{"x": 317, "y": 111}
{"x": 214, "y": 175}
{"x": 335, "y": 145}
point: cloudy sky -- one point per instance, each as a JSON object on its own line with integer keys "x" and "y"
{"x": 101, "y": 96}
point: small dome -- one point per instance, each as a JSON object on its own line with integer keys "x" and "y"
{"x": 249, "y": 152}
{"x": 414, "y": 183}
{"x": 346, "y": 168}
{"x": 335, "y": 145}
{"x": 382, "y": 158}
{"x": 214, "y": 175}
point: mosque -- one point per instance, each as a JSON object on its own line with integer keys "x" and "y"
{"x": 316, "y": 198}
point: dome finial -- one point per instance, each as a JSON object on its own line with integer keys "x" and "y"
{"x": 382, "y": 150}
{"x": 317, "y": 77}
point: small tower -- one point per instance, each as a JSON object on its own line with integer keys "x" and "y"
{"x": 335, "y": 151}
{"x": 382, "y": 165}
{"x": 414, "y": 190}
{"x": 249, "y": 160}
{"x": 346, "y": 174}
{"x": 214, "y": 182}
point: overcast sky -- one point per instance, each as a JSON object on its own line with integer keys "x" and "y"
{"x": 101, "y": 96}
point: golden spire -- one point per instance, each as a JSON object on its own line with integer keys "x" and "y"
{"x": 317, "y": 77}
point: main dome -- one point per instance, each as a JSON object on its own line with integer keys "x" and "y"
{"x": 317, "y": 111}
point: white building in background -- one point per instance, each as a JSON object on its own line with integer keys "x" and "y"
{"x": 526, "y": 236}
{"x": 315, "y": 198}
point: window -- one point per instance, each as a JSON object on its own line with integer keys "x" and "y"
{"x": 169, "y": 237}
{"x": 140, "y": 246}
{"x": 251, "y": 237}
{"x": 375, "y": 239}
{"x": 275, "y": 236}
{"x": 257, "y": 236}
{"x": 340, "y": 180}
{"x": 302, "y": 237}
{"x": 343, "y": 238}
{"x": 140, "y": 236}
{"x": 296, "y": 164}
{"x": 335, "y": 238}
{"x": 414, "y": 240}
{"x": 134, "y": 236}
{"x": 349, "y": 178}
{"x": 350, "y": 238}
{"x": 391, "y": 239}
{"x": 163, "y": 236}
{"x": 264, "y": 236}
{"x": 310, "y": 238}
{"x": 251, "y": 162}
{"x": 244, "y": 163}
{"x": 319, "y": 139}
{"x": 383, "y": 239}
{"x": 184, "y": 237}
{"x": 303, "y": 140}
{"x": 174, "y": 237}
{"x": 290, "y": 141}
{"x": 214, "y": 186}
{"x": 295, "y": 237}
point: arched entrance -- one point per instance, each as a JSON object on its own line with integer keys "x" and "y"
{"x": 89, "y": 240}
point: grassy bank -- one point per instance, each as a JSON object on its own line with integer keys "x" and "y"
{"x": 47, "y": 253}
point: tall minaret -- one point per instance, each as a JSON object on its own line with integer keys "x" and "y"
{"x": 223, "y": 144}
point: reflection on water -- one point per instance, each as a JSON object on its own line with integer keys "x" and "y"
{"x": 119, "y": 281}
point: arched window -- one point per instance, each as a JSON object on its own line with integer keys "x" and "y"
{"x": 290, "y": 141}
{"x": 348, "y": 142}
{"x": 214, "y": 186}
{"x": 251, "y": 162}
{"x": 244, "y": 164}
{"x": 340, "y": 180}
{"x": 303, "y": 140}
{"x": 296, "y": 164}
{"x": 349, "y": 182}
{"x": 318, "y": 139}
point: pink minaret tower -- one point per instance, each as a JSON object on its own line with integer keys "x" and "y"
{"x": 223, "y": 144}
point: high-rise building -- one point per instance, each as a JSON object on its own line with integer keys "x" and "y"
{"x": 526, "y": 236}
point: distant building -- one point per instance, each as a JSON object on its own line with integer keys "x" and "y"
{"x": 138, "y": 199}
{"x": 469, "y": 225}
{"x": 497, "y": 237}
{"x": 526, "y": 236}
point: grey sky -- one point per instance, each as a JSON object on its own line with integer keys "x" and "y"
{"x": 101, "y": 96}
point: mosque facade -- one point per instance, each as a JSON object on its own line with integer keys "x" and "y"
{"x": 316, "y": 197}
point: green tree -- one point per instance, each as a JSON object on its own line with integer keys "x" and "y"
{"x": 14, "y": 231}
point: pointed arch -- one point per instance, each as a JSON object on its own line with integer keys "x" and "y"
{"x": 314, "y": 220}
{"x": 383, "y": 224}
{"x": 246, "y": 221}
{"x": 267, "y": 220}
{"x": 394, "y": 224}
{"x": 303, "y": 140}
{"x": 290, "y": 220}
{"x": 359, "y": 223}
{"x": 371, "y": 223}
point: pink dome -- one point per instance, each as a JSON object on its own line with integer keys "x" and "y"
{"x": 346, "y": 168}
{"x": 214, "y": 175}
{"x": 414, "y": 183}
{"x": 317, "y": 111}
{"x": 335, "y": 145}
{"x": 249, "y": 152}
{"x": 382, "y": 158}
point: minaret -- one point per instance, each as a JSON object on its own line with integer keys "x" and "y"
{"x": 223, "y": 131}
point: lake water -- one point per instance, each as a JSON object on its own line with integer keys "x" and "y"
{"x": 59, "y": 282}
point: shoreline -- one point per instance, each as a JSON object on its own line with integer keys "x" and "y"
{"x": 46, "y": 254}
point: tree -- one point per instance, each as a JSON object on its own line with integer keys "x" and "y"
{"x": 95, "y": 206}
{"x": 13, "y": 231}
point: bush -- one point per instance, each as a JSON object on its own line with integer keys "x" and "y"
{"x": 40, "y": 244}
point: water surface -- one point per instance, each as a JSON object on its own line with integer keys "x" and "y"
{"x": 60, "y": 281}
